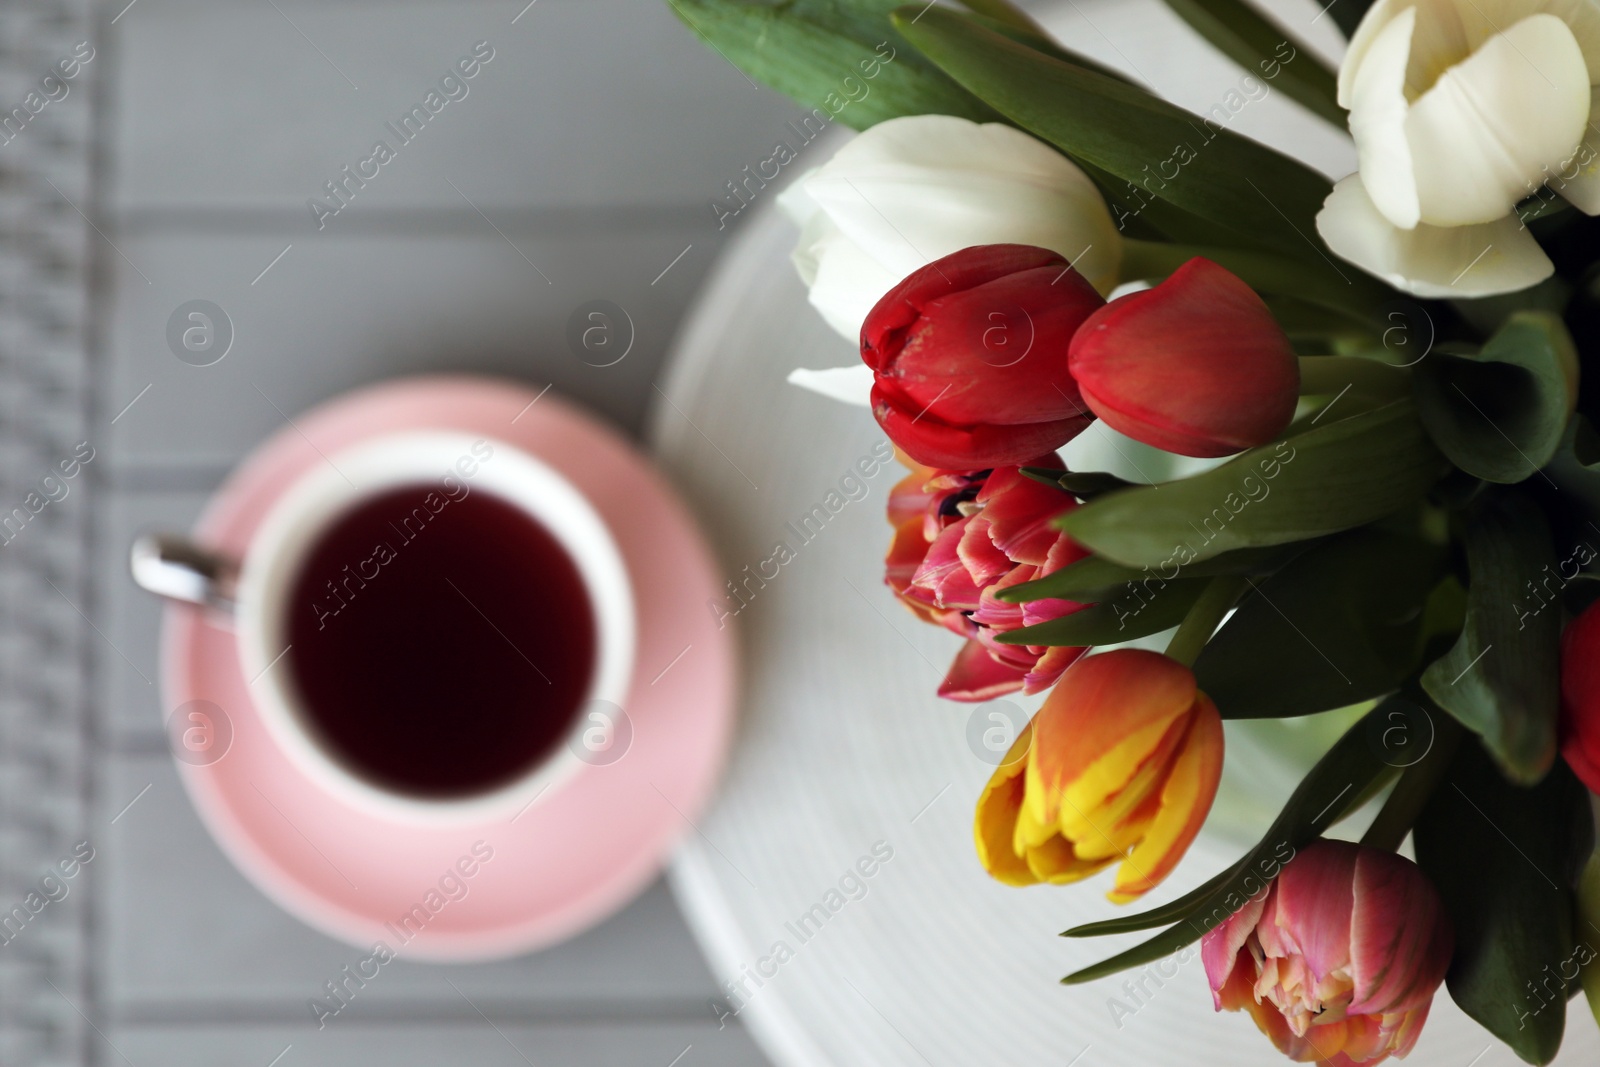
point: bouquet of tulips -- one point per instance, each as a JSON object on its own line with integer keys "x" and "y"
{"x": 1359, "y": 470}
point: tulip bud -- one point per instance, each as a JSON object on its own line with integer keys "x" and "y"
{"x": 1580, "y": 697}
{"x": 1451, "y": 133}
{"x": 1196, "y": 366}
{"x": 1338, "y": 960}
{"x": 969, "y": 357}
{"x": 918, "y": 187}
{"x": 1121, "y": 763}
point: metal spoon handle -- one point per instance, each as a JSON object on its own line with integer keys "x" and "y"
{"x": 176, "y": 568}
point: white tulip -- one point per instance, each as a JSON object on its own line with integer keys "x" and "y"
{"x": 1459, "y": 109}
{"x": 911, "y": 190}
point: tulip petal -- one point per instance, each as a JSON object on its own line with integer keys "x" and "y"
{"x": 1580, "y": 696}
{"x": 1099, "y": 818}
{"x": 844, "y": 281}
{"x": 1021, "y": 514}
{"x": 979, "y": 554}
{"x": 977, "y": 676}
{"x": 1409, "y": 1027}
{"x": 1057, "y": 862}
{"x": 1378, "y": 109}
{"x": 1372, "y": 25}
{"x": 906, "y": 552}
{"x": 944, "y": 574}
{"x": 1047, "y": 668}
{"x": 1431, "y": 261}
{"x": 1185, "y": 802}
{"x": 1578, "y": 179}
{"x": 996, "y": 816}
{"x": 1312, "y": 907}
{"x": 1482, "y": 19}
{"x": 938, "y": 444}
{"x": 1219, "y": 954}
{"x": 848, "y": 385}
{"x": 1104, "y": 716}
{"x": 920, "y": 187}
{"x": 911, "y": 496}
{"x": 1495, "y": 127}
{"x": 1399, "y": 945}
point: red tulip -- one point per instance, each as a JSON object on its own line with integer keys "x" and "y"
{"x": 969, "y": 357}
{"x": 1339, "y": 959}
{"x": 1196, "y": 366}
{"x": 1580, "y": 697}
{"x": 959, "y": 539}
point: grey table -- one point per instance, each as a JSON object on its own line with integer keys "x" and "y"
{"x": 580, "y": 165}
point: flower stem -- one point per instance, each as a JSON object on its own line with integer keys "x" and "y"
{"x": 1324, "y": 375}
{"x": 1208, "y": 611}
{"x": 1415, "y": 787}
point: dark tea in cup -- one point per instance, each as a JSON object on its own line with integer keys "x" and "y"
{"x": 441, "y": 641}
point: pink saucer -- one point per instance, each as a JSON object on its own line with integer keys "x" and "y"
{"x": 576, "y": 855}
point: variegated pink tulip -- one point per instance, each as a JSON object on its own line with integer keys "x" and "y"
{"x": 959, "y": 539}
{"x": 1339, "y": 960}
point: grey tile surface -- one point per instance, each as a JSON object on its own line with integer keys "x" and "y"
{"x": 579, "y": 165}
{"x": 187, "y": 938}
{"x": 586, "y": 103}
{"x": 481, "y": 1042}
{"x": 127, "y": 697}
{"x": 341, "y": 310}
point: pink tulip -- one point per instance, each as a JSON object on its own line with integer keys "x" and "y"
{"x": 961, "y": 538}
{"x": 1339, "y": 959}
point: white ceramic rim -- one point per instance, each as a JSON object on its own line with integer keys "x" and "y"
{"x": 303, "y": 513}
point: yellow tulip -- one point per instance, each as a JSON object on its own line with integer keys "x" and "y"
{"x": 1121, "y": 763}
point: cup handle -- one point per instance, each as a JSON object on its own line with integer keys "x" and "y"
{"x": 177, "y": 569}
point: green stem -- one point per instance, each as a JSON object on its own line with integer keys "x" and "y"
{"x": 1203, "y": 618}
{"x": 1356, "y": 296}
{"x": 1415, "y": 787}
{"x": 1323, "y": 375}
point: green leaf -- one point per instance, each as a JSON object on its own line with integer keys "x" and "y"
{"x": 1322, "y": 799}
{"x": 1307, "y": 321}
{"x": 1038, "y": 40}
{"x": 1137, "y": 612}
{"x": 1589, "y": 930}
{"x": 1347, "y": 14}
{"x": 1078, "y": 483}
{"x": 1094, "y": 578}
{"x": 1486, "y": 314}
{"x": 1340, "y": 624}
{"x": 1502, "y": 677}
{"x": 1255, "y": 193}
{"x": 807, "y": 48}
{"x": 1575, "y": 470}
{"x": 1241, "y": 33}
{"x": 1357, "y": 298}
{"x": 1148, "y": 920}
{"x": 1006, "y": 12}
{"x": 1505, "y": 859}
{"x": 1500, "y": 413}
{"x": 1343, "y": 474}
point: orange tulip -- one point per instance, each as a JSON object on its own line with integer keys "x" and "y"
{"x": 1121, "y": 763}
